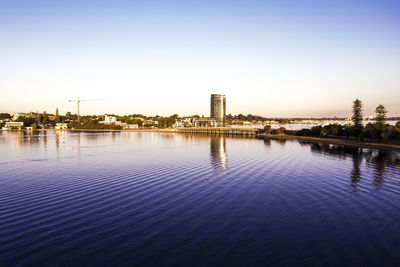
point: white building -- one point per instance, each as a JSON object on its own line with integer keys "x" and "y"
{"x": 61, "y": 125}
{"x": 179, "y": 124}
{"x": 110, "y": 120}
{"x": 13, "y": 124}
{"x": 205, "y": 122}
{"x": 131, "y": 126}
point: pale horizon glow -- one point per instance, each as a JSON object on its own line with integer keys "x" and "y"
{"x": 286, "y": 59}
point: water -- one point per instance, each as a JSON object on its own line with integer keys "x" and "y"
{"x": 148, "y": 199}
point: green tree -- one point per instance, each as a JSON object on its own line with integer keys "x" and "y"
{"x": 281, "y": 130}
{"x": 380, "y": 125}
{"x": 357, "y": 117}
{"x": 5, "y": 116}
{"x": 229, "y": 118}
{"x": 45, "y": 119}
{"x": 137, "y": 121}
{"x": 58, "y": 118}
{"x": 241, "y": 117}
{"x": 369, "y": 130}
{"x": 380, "y": 114}
{"x": 316, "y": 130}
{"x": 26, "y": 120}
{"x": 267, "y": 129}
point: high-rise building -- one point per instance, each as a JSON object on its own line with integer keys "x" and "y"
{"x": 218, "y": 109}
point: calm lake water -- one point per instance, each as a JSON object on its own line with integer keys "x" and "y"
{"x": 146, "y": 199}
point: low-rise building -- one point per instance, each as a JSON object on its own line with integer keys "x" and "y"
{"x": 51, "y": 117}
{"x": 205, "y": 122}
{"x": 131, "y": 126}
{"x": 152, "y": 122}
{"x": 61, "y": 126}
{"x": 138, "y": 118}
{"x": 13, "y": 125}
{"x": 179, "y": 124}
{"x": 110, "y": 120}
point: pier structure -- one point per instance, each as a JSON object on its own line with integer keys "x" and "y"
{"x": 220, "y": 131}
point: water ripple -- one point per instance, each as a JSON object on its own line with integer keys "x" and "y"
{"x": 145, "y": 199}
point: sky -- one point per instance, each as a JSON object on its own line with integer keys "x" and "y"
{"x": 270, "y": 58}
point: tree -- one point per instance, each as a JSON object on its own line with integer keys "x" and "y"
{"x": 281, "y": 130}
{"x": 380, "y": 114}
{"x": 45, "y": 119}
{"x": 357, "y": 117}
{"x": 241, "y": 117}
{"x": 303, "y": 132}
{"x": 136, "y": 121}
{"x": 316, "y": 130}
{"x": 357, "y": 113}
{"x": 26, "y": 120}
{"x": 5, "y": 116}
{"x": 58, "y": 118}
{"x": 267, "y": 129}
{"x": 380, "y": 125}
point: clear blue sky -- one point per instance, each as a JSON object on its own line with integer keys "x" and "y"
{"x": 272, "y": 58}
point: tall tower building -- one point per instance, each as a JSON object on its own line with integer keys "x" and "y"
{"x": 218, "y": 109}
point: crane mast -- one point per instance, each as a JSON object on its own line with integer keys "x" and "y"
{"x": 78, "y": 101}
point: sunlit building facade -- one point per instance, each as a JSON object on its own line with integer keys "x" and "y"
{"x": 218, "y": 109}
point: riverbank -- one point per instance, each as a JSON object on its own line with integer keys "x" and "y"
{"x": 335, "y": 141}
{"x": 166, "y": 130}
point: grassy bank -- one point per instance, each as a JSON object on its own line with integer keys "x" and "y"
{"x": 335, "y": 141}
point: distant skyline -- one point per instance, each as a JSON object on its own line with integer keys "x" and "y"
{"x": 270, "y": 58}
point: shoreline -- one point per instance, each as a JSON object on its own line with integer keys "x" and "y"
{"x": 166, "y": 130}
{"x": 334, "y": 141}
{"x": 308, "y": 139}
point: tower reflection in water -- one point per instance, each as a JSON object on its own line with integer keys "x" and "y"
{"x": 219, "y": 160}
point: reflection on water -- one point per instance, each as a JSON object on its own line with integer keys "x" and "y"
{"x": 377, "y": 160}
{"x": 267, "y": 142}
{"x": 140, "y": 199}
{"x": 219, "y": 159}
{"x": 61, "y": 136}
{"x": 356, "y": 171}
{"x": 380, "y": 161}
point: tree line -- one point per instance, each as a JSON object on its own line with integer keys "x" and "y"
{"x": 378, "y": 130}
